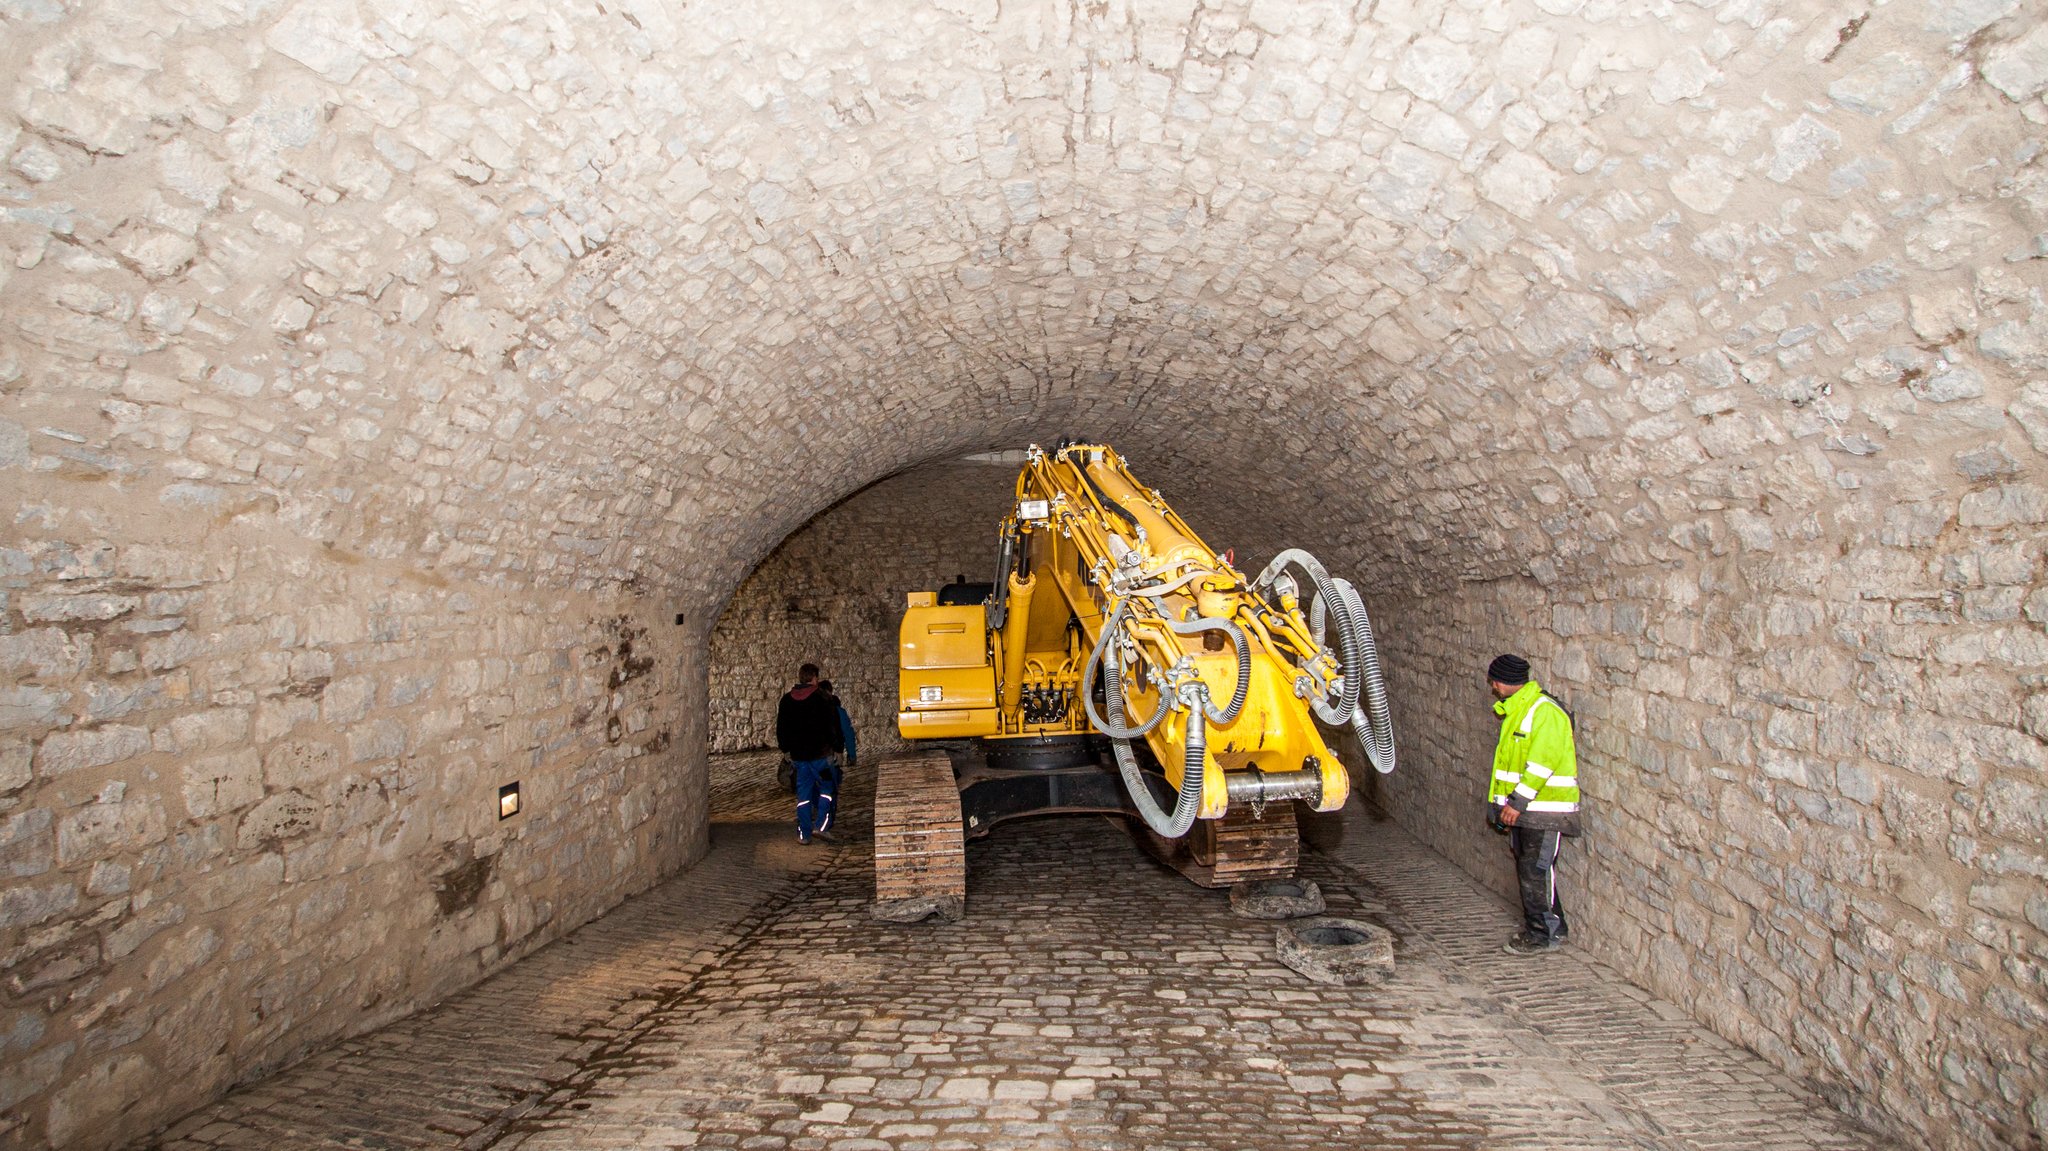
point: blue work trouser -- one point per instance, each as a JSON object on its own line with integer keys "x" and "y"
{"x": 828, "y": 794}
{"x": 813, "y": 795}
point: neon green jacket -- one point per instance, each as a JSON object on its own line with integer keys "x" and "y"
{"x": 1536, "y": 763}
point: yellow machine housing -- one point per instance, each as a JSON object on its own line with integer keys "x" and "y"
{"x": 1084, "y": 544}
{"x": 947, "y": 675}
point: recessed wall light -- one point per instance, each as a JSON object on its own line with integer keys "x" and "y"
{"x": 508, "y": 800}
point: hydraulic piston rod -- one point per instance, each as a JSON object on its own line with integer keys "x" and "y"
{"x": 1259, "y": 788}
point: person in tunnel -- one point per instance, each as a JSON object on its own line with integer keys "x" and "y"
{"x": 807, "y": 730}
{"x": 1534, "y": 797}
{"x": 845, "y": 758}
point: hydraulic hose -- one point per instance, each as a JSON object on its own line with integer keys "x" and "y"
{"x": 1316, "y": 622}
{"x": 1160, "y": 589}
{"x": 1175, "y": 824}
{"x": 1371, "y": 719}
{"x": 1112, "y": 688}
{"x": 1363, "y": 701}
{"x": 1295, "y": 557}
{"x": 1104, "y": 499}
{"x": 1327, "y": 599}
{"x": 1244, "y": 661}
{"x": 1343, "y": 613}
{"x": 1189, "y": 800}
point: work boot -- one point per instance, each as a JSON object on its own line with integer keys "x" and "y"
{"x": 1524, "y": 943}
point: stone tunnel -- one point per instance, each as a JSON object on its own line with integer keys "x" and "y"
{"x": 403, "y": 400}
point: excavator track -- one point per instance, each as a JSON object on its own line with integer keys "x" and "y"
{"x": 1239, "y": 847}
{"x": 920, "y": 852}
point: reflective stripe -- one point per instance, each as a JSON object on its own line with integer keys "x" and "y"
{"x": 1516, "y": 775}
{"x": 1529, "y": 717}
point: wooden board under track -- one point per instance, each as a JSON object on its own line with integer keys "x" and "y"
{"x": 920, "y": 854}
{"x": 1234, "y": 849}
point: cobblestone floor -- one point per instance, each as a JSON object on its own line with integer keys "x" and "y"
{"x": 1090, "y": 999}
{"x": 743, "y": 789}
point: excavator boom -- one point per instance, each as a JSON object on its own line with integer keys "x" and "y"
{"x": 1111, "y": 620}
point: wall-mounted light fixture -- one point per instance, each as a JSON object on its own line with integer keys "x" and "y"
{"x": 508, "y": 800}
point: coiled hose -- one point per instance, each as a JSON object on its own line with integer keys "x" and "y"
{"x": 1363, "y": 701}
{"x": 1114, "y": 726}
{"x": 1171, "y": 825}
{"x": 1326, "y": 599}
{"x": 1372, "y": 719}
{"x": 1189, "y": 801}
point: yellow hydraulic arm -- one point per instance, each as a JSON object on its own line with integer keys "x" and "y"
{"x": 1103, "y": 589}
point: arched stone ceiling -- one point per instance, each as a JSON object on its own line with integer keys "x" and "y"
{"x": 614, "y": 294}
{"x": 590, "y": 293}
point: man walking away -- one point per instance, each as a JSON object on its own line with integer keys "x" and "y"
{"x": 807, "y": 730}
{"x": 1534, "y": 797}
{"x": 839, "y": 762}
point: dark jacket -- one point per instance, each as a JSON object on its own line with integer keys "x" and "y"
{"x": 807, "y": 723}
{"x": 846, "y": 732}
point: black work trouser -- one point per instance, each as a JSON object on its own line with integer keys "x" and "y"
{"x": 1536, "y": 870}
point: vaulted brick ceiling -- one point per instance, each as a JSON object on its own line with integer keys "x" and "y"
{"x": 601, "y": 293}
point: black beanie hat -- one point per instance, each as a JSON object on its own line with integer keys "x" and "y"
{"x": 1512, "y": 670}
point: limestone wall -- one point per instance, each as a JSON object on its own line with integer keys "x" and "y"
{"x": 1816, "y": 798}
{"x": 249, "y": 801}
{"x": 832, "y": 594}
{"x": 1713, "y": 333}
{"x": 1814, "y": 811}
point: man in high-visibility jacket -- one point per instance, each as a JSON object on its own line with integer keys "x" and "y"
{"x": 1534, "y": 796}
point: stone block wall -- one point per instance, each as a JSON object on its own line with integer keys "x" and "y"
{"x": 1817, "y": 808}
{"x": 1818, "y": 814}
{"x": 249, "y": 803}
{"x": 1714, "y": 332}
{"x": 833, "y": 592}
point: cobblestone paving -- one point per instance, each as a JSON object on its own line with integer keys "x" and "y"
{"x": 457, "y": 1074}
{"x": 743, "y": 789}
{"x": 1640, "y": 1060}
{"x": 1090, "y": 999}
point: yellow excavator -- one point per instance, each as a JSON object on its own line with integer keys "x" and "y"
{"x": 1110, "y": 622}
